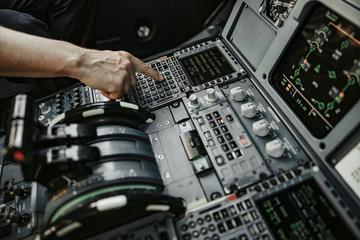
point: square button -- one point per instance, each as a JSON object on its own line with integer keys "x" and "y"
{"x": 217, "y": 131}
{"x": 230, "y": 156}
{"x": 212, "y": 124}
{"x": 228, "y": 136}
{"x": 209, "y": 117}
{"x": 220, "y": 121}
{"x": 224, "y": 129}
{"x": 233, "y": 145}
{"x": 225, "y": 147}
{"x": 216, "y": 114}
{"x": 221, "y": 139}
{"x": 238, "y": 153}
{"x": 229, "y": 118}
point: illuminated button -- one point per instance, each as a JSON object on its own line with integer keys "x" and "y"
{"x": 252, "y": 230}
{"x": 248, "y": 110}
{"x": 221, "y": 139}
{"x": 211, "y": 95}
{"x": 243, "y": 237}
{"x": 265, "y": 185}
{"x": 248, "y": 203}
{"x": 192, "y": 224}
{"x": 184, "y": 227}
{"x": 229, "y": 118}
{"x": 194, "y": 102}
{"x": 237, "y": 94}
{"x": 228, "y": 136}
{"x": 220, "y": 121}
{"x": 216, "y": 114}
{"x": 238, "y": 221}
{"x": 224, "y": 129}
{"x": 244, "y": 140}
{"x": 275, "y": 148}
{"x": 186, "y": 236}
{"x": 254, "y": 215}
{"x": 216, "y": 216}
{"x": 221, "y": 227}
{"x": 209, "y": 117}
{"x": 217, "y": 131}
{"x": 281, "y": 178}
{"x": 196, "y": 234}
{"x": 225, "y": 147}
{"x": 215, "y": 237}
{"x": 273, "y": 182}
{"x": 230, "y": 224}
{"x": 230, "y": 156}
{"x": 233, "y": 144}
{"x": 232, "y": 210}
{"x": 261, "y": 128}
{"x": 246, "y": 218}
{"x": 238, "y": 153}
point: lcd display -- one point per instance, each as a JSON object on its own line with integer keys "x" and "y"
{"x": 205, "y": 66}
{"x": 303, "y": 212}
{"x": 319, "y": 74}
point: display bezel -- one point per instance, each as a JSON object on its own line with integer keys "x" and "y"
{"x": 194, "y": 78}
{"x": 320, "y": 188}
{"x": 274, "y": 77}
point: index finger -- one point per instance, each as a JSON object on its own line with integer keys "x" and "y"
{"x": 141, "y": 67}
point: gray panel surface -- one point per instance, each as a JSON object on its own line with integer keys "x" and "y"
{"x": 252, "y": 36}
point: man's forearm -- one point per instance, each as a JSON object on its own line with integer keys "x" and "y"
{"x": 112, "y": 72}
{"x": 23, "y": 55}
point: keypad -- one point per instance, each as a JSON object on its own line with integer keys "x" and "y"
{"x": 222, "y": 135}
{"x": 241, "y": 219}
{"x": 150, "y": 92}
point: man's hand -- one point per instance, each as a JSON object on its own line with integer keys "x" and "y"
{"x": 113, "y": 73}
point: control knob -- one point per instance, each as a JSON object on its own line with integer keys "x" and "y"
{"x": 44, "y": 121}
{"x": 211, "y": 95}
{"x": 261, "y": 128}
{"x": 44, "y": 108}
{"x": 237, "y": 94}
{"x": 194, "y": 102}
{"x": 275, "y": 148}
{"x": 248, "y": 110}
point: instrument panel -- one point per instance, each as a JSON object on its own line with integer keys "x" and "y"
{"x": 228, "y": 146}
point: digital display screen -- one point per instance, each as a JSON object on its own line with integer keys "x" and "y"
{"x": 206, "y": 65}
{"x": 303, "y": 212}
{"x": 319, "y": 75}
